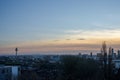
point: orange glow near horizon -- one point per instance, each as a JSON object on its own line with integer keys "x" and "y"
{"x": 62, "y": 45}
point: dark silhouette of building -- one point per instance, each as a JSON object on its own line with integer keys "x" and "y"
{"x": 113, "y": 54}
{"x": 91, "y": 54}
{"x": 104, "y": 58}
{"x": 118, "y": 54}
{"x": 110, "y": 63}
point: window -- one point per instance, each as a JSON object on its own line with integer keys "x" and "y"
{"x": 3, "y": 71}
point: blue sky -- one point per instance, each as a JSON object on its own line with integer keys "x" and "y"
{"x": 40, "y": 20}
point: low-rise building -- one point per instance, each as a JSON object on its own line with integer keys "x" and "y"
{"x": 9, "y": 72}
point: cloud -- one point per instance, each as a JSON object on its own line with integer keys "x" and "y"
{"x": 67, "y": 39}
{"x": 98, "y": 33}
{"x": 74, "y": 31}
{"x": 56, "y": 40}
{"x": 81, "y": 39}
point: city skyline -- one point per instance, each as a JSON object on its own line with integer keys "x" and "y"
{"x": 62, "y": 27}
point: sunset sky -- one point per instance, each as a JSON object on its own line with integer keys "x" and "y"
{"x": 58, "y": 26}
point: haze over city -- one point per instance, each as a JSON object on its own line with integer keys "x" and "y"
{"x": 58, "y": 26}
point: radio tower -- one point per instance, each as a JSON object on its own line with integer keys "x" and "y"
{"x": 16, "y": 50}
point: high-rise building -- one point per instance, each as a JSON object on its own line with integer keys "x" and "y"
{"x": 119, "y": 54}
{"x": 91, "y": 54}
{"x": 110, "y": 67}
{"x": 104, "y": 58}
{"x": 113, "y": 54}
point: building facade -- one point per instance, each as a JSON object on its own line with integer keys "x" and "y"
{"x": 9, "y": 72}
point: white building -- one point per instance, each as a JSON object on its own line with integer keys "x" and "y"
{"x": 9, "y": 72}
